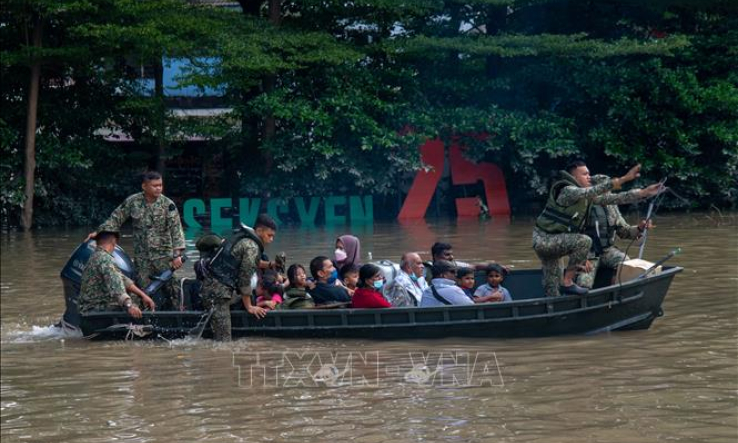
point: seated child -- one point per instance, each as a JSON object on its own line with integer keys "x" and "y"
{"x": 350, "y": 277}
{"x": 465, "y": 280}
{"x": 297, "y": 296}
{"x": 268, "y": 291}
{"x": 493, "y": 290}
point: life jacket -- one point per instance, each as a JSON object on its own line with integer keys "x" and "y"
{"x": 222, "y": 265}
{"x": 599, "y": 223}
{"x": 297, "y": 299}
{"x": 558, "y": 219}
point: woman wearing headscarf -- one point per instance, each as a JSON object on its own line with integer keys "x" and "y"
{"x": 348, "y": 251}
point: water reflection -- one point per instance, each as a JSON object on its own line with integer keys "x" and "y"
{"x": 674, "y": 381}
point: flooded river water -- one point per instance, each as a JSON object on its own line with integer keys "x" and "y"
{"x": 677, "y": 381}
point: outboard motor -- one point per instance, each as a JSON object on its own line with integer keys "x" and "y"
{"x": 71, "y": 276}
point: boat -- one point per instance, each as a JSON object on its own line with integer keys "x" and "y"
{"x": 628, "y": 305}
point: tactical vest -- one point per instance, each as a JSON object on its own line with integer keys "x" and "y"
{"x": 598, "y": 222}
{"x": 224, "y": 266}
{"x": 558, "y": 219}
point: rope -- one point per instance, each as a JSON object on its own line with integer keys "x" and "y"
{"x": 199, "y": 328}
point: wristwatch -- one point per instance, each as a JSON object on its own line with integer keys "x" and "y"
{"x": 128, "y": 304}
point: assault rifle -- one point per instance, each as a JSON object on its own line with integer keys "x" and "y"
{"x": 160, "y": 280}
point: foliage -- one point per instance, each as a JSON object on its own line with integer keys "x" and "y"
{"x": 337, "y": 96}
{"x": 88, "y": 89}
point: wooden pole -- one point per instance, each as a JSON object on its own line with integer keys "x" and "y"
{"x": 29, "y": 165}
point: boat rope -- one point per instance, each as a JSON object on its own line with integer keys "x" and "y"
{"x": 199, "y": 328}
{"x": 137, "y": 331}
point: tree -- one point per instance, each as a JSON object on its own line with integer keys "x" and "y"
{"x": 88, "y": 83}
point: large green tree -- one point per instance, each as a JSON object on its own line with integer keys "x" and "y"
{"x": 335, "y": 96}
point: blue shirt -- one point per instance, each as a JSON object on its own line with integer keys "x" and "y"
{"x": 448, "y": 290}
{"x": 325, "y": 294}
{"x": 486, "y": 290}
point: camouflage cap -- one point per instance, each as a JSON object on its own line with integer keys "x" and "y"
{"x": 598, "y": 179}
{"x": 208, "y": 242}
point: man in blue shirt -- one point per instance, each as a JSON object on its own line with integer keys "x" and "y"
{"x": 326, "y": 292}
{"x": 443, "y": 290}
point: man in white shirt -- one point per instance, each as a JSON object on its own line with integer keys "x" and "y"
{"x": 443, "y": 290}
{"x": 407, "y": 288}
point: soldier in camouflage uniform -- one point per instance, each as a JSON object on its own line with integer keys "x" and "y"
{"x": 558, "y": 231}
{"x": 104, "y": 287}
{"x": 604, "y": 225}
{"x": 158, "y": 239}
{"x": 218, "y": 296}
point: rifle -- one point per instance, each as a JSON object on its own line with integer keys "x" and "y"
{"x": 648, "y": 219}
{"x": 160, "y": 280}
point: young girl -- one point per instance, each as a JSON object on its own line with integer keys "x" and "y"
{"x": 368, "y": 294}
{"x": 465, "y": 280}
{"x": 269, "y": 291}
{"x": 493, "y": 290}
{"x": 297, "y": 296}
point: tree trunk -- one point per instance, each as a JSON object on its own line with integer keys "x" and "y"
{"x": 29, "y": 166}
{"x": 496, "y": 19}
{"x": 161, "y": 140}
{"x": 269, "y": 83}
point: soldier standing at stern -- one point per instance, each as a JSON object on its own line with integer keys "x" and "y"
{"x": 559, "y": 229}
{"x": 104, "y": 287}
{"x": 158, "y": 238}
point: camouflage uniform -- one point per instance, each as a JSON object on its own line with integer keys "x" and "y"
{"x": 219, "y": 296}
{"x": 550, "y": 248}
{"x": 103, "y": 285}
{"x": 611, "y": 256}
{"x": 157, "y": 232}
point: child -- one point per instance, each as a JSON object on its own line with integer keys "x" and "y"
{"x": 465, "y": 280}
{"x": 493, "y": 290}
{"x": 297, "y": 296}
{"x": 350, "y": 277}
{"x": 268, "y": 291}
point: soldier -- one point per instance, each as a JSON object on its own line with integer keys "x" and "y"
{"x": 604, "y": 224}
{"x": 558, "y": 230}
{"x": 104, "y": 287}
{"x": 158, "y": 239}
{"x": 229, "y": 273}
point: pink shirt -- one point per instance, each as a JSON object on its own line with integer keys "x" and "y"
{"x": 275, "y": 298}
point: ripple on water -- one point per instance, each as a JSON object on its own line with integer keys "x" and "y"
{"x": 676, "y": 381}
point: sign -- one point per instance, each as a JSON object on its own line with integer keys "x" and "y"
{"x": 360, "y": 209}
{"x": 334, "y": 209}
{"x": 463, "y": 172}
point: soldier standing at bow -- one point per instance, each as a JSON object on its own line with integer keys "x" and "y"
{"x": 559, "y": 229}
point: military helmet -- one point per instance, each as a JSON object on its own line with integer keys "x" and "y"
{"x": 208, "y": 242}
